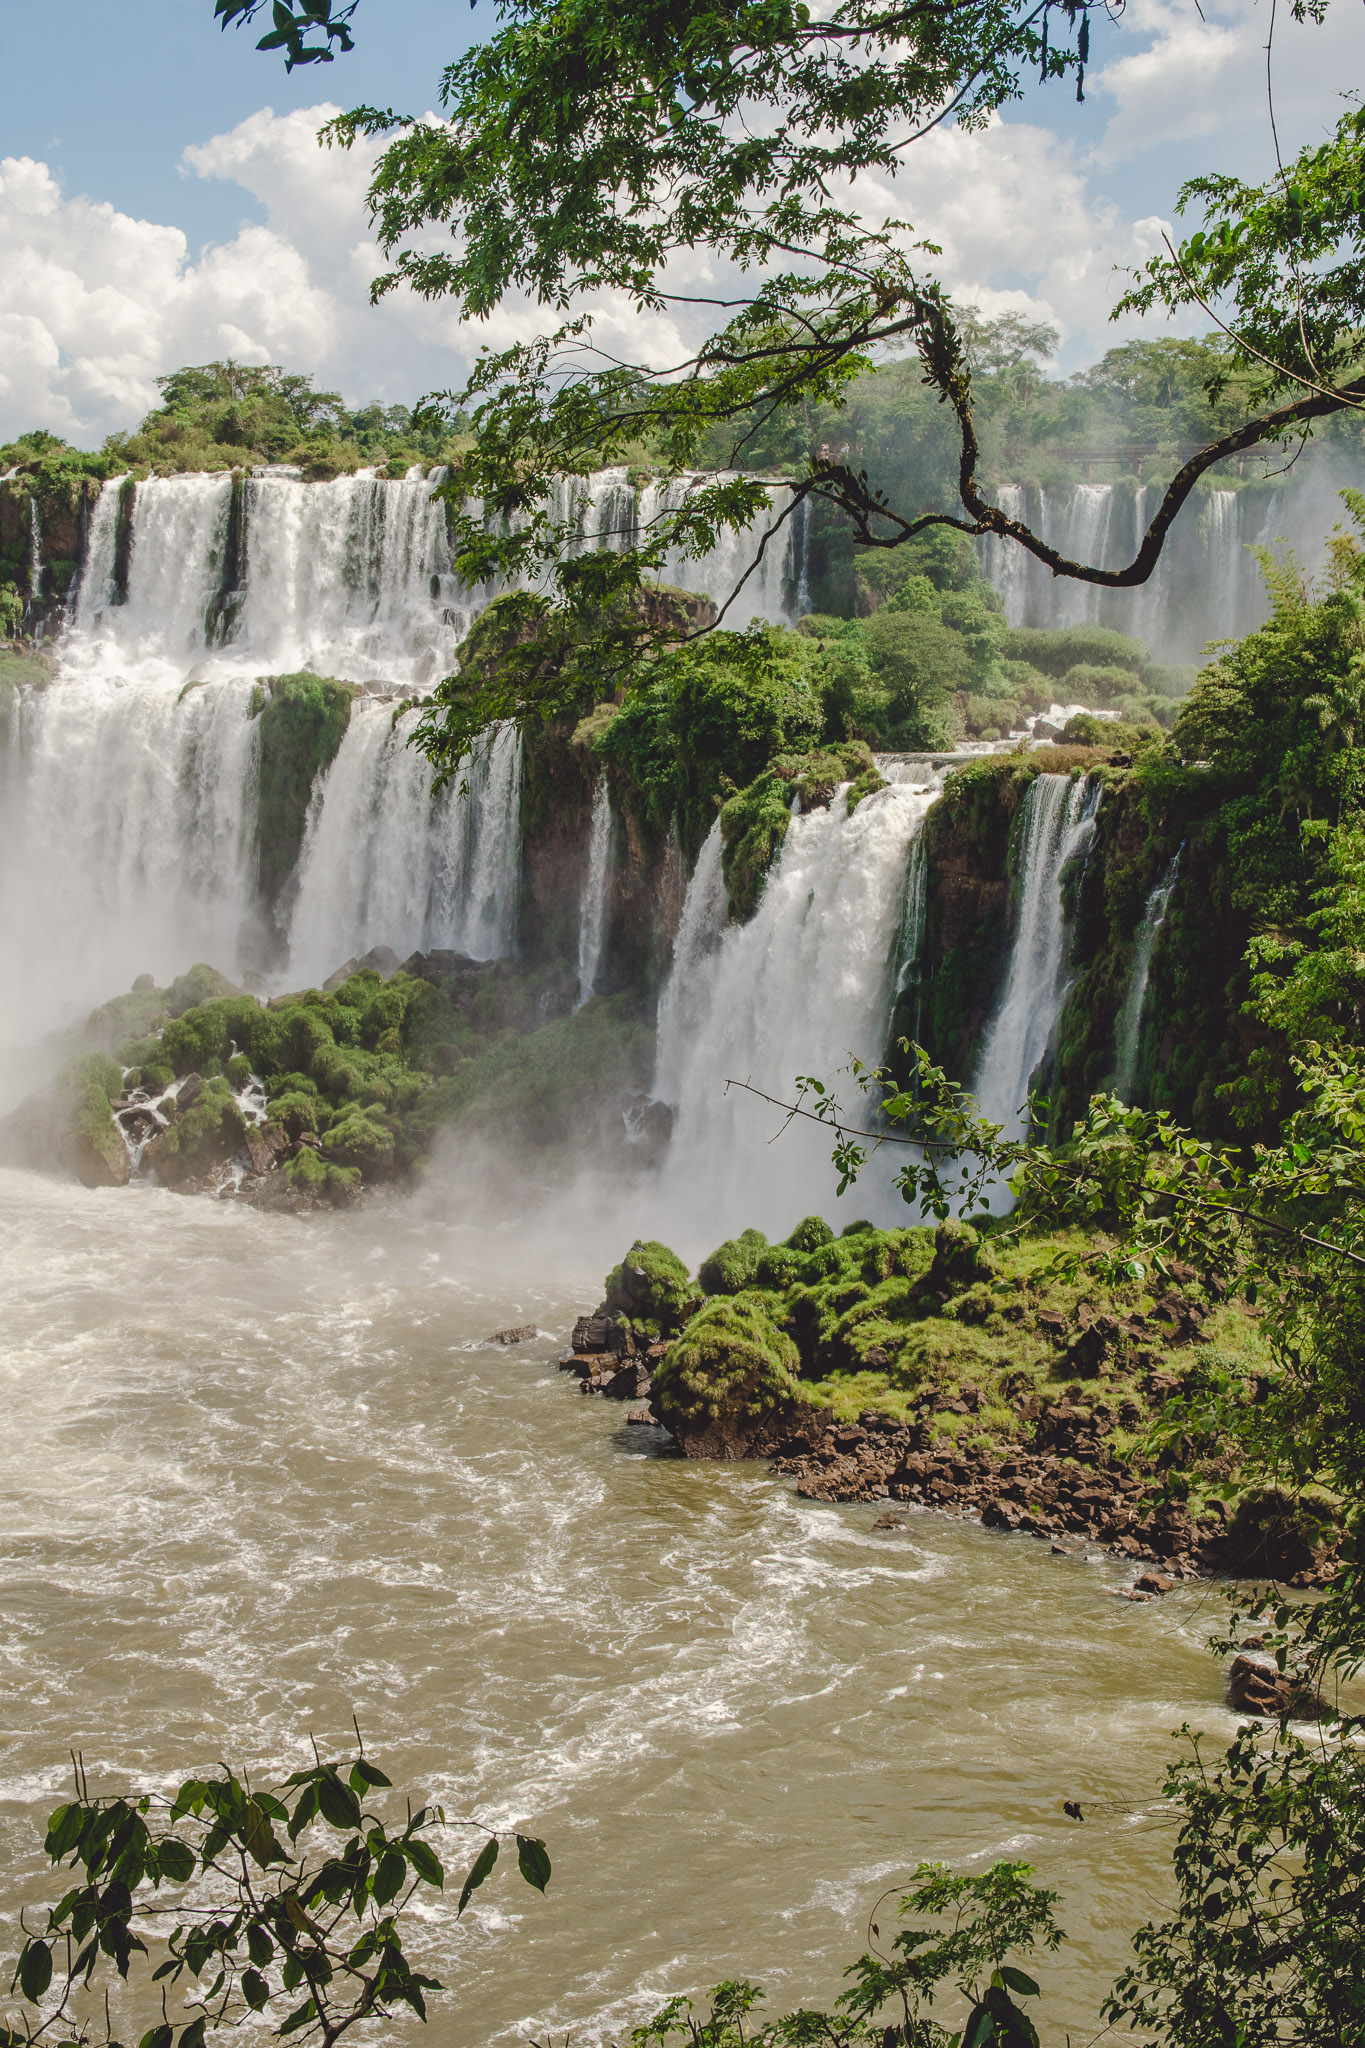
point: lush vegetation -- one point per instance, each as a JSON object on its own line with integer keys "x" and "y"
{"x": 289, "y": 1902}
{"x": 359, "y": 1080}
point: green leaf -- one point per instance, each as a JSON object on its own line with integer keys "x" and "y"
{"x": 534, "y": 1861}
{"x": 255, "y": 1990}
{"x": 428, "y": 1867}
{"x": 339, "y": 1805}
{"x": 258, "y": 1837}
{"x": 1017, "y": 1981}
{"x": 64, "y": 1830}
{"x": 189, "y": 1799}
{"x": 35, "y": 1970}
{"x": 363, "y": 1774}
{"x": 388, "y": 1878}
{"x": 483, "y": 1863}
{"x": 304, "y": 1810}
{"x": 259, "y": 1946}
{"x": 980, "y": 2028}
{"x": 299, "y": 2017}
{"x": 193, "y": 2035}
{"x": 176, "y": 1861}
{"x": 156, "y": 2037}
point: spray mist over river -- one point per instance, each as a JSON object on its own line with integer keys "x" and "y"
{"x": 259, "y": 1472}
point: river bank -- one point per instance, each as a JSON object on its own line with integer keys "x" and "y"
{"x": 986, "y": 1377}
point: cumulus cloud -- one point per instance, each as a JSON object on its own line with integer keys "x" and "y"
{"x": 97, "y": 304}
{"x": 1203, "y": 74}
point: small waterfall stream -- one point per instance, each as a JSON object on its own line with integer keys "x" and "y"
{"x": 801, "y": 988}
{"x": 1128, "y": 1026}
{"x": 592, "y": 908}
{"x": 1056, "y": 819}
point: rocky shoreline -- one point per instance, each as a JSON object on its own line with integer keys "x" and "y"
{"x": 1062, "y": 1480}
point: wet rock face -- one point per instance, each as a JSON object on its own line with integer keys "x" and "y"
{"x": 1255, "y": 1686}
{"x": 607, "y": 1358}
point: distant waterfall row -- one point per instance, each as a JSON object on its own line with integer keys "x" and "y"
{"x": 1207, "y": 583}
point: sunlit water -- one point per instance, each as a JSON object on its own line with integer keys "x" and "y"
{"x": 260, "y": 1472}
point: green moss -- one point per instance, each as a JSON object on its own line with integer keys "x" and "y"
{"x": 361, "y": 1140}
{"x": 732, "y": 1265}
{"x": 731, "y": 1359}
{"x": 301, "y": 726}
{"x": 651, "y": 1286}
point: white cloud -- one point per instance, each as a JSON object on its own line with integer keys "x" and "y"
{"x": 1019, "y": 229}
{"x": 1205, "y": 75}
{"x": 97, "y": 304}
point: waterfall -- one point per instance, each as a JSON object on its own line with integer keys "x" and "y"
{"x": 382, "y": 864}
{"x": 1128, "y": 1025}
{"x": 772, "y": 587}
{"x": 910, "y": 951}
{"x": 592, "y": 906}
{"x": 807, "y": 983}
{"x": 1056, "y": 821}
{"x": 125, "y": 840}
{"x": 35, "y": 552}
{"x": 700, "y": 930}
{"x": 128, "y": 827}
{"x": 95, "y": 590}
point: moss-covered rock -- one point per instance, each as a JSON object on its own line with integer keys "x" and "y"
{"x": 728, "y": 1379}
{"x": 651, "y": 1286}
{"x": 733, "y": 1264}
{"x": 207, "y": 1136}
{"x": 302, "y": 722}
{"x": 70, "y": 1125}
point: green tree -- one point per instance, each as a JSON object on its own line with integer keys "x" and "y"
{"x": 583, "y": 153}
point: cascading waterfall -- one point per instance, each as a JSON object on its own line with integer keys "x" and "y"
{"x": 592, "y": 907}
{"x": 910, "y": 970}
{"x": 1056, "y": 820}
{"x": 1207, "y": 583}
{"x": 700, "y": 930}
{"x": 384, "y": 865}
{"x": 806, "y": 984}
{"x": 125, "y": 840}
{"x": 128, "y": 832}
{"x": 1128, "y": 1027}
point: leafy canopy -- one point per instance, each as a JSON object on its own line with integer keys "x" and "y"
{"x": 585, "y": 152}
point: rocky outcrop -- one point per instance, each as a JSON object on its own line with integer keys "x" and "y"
{"x": 70, "y": 1126}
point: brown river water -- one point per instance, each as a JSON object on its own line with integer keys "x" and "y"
{"x": 260, "y": 1472}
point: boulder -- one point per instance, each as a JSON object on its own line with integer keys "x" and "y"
{"x": 203, "y": 984}
{"x": 71, "y": 1124}
{"x": 1256, "y": 1687}
{"x": 521, "y": 1334}
{"x": 382, "y": 960}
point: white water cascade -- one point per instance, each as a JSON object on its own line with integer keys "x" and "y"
{"x": 127, "y": 842}
{"x": 592, "y": 907}
{"x": 1128, "y": 1026}
{"x": 1056, "y": 820}
{"x": 1207, "y": 583}
{"x": 801, "y": 988}
{"x": 382, "y": 864}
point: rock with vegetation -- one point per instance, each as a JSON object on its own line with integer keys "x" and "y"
{"x": 968, "y": 1368}
{"x": 301, "y": 722}
{"x": 71, "y": 1125}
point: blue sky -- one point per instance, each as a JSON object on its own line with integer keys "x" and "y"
{"x": 162, "y": 198}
